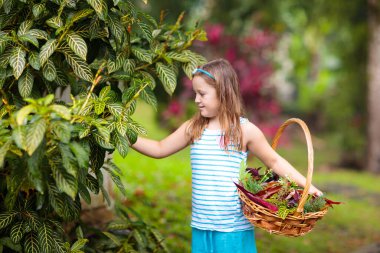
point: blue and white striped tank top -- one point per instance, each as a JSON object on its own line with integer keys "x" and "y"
{"x": 215, "y": 202}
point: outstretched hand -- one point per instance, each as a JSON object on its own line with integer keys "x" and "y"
{"x": 314, "y": 191}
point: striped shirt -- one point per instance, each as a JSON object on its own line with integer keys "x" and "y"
{"x": 215, "y": 202}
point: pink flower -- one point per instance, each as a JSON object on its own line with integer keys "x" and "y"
{"x": 214, "y": 33}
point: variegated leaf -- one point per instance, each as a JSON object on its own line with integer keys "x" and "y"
{"x": 34, "y": 60}
{"x": 37, "y": 9}
{"x": 17, "y": 232}
{"x": 77, "y": 44}
{"x": 129, "y": 66}
{"x": 45, "y": 238}
{"x": 148, "y": 96}
{"x": 149, "y": 78}
{"x": 49, "y": 71}
{"x": 31, "y": 244}
{"x": 116, "y": 109}
{"x": 116, "y": 27}
{"x": 24, "y": 27}
{"x": 146, "y": 31}
{"x": 55, "y": 22}
{"x": 39, "y": 34}
{"x": 142, "y": 54}
{"x": 81, "y": 14}
{"x": 79, "y": 66}
{"x": 101, "y": 8}
{"x": 167, "y": 77}
{"x": 121, "y": 144}
{"x": 35, "y": 135}
{"x": 47, "y": 50}
{"x": 29, "y": 38}
{"x": 17, "y": 61}
{"x": 181, "y": 57}
{"x": 25, "y": 83}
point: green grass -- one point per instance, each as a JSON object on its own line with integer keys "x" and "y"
{"x": 160, "y": 190}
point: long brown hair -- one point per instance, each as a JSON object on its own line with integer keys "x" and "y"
{"x": 227, "y": 88}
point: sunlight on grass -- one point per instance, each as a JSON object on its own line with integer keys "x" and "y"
{"x": 160, "y": 190}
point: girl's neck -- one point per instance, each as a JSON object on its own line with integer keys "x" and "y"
{"x": 213, "y": 124}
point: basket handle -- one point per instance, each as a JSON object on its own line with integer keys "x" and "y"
{"x": 310, "y": 156}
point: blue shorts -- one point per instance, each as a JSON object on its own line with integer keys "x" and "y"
{"x": 206, "y": 241}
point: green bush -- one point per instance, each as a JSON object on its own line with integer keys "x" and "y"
{"x": 53, "y": 150}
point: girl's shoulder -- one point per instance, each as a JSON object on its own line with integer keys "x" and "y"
{"x": 249, "y": 128}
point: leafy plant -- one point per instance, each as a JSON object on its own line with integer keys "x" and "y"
{"x": 128, "y": 234}
{"x": 53, "y": 149}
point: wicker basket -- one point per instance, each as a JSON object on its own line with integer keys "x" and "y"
{"x": 296, "y": 224}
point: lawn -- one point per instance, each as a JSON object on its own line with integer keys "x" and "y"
{"x": 160, "y": 190}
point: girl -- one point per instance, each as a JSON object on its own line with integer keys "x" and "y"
{"x": 220, "y": 139}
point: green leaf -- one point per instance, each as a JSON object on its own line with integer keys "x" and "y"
{"x": 133, "y": 125}
{"x": 29, "y": 38}
{"x": 79, "y": 244}
{"x": 142, "y": 54}
{"x": 35, "y": 135}
{"x": 24, "y": 27}
{"x": 61, "y": 130}
{"x": 23, "y": 113}
{"x": 81, "y": 153}
{"x": 38, "y": 9}
{"x": 68, "y": 160}
{"x": 47, "y": 50}
{"x": 17, "y": 232}
{"x": 113, "y": 237}
{"x": 129, "y": 66}
{"x": 45, "y": 237}
{"x": 81, "y": 14}
{"x": 146, "y": 31}
{"x": 61, "y": 79}
{"x": 80, "y": 67}
{"x": 100, "y": 7}
{"x": 34, "y": 60}
{"x": 25, "y": 83}
{"x": 116, "y": 109}
{"x": 121, "y": 144}
{"x": 148, "y": 96}
{"x": 121, "y": 127}
{"x": 17, "y": 61}
{"x": 99, "y": 106}
{"x": 7, "y": 242}
{"x": 188, "y": 68}
{"x": 149, "y": 79}
{"x": 77, "y": 44}
{"x": 49, "y": 71}
{"x": 31, "y": 243}
{"x": 19, "y": 136}
{"x": 116, "y": 27}
{"x": 55, "y": 22}
{"x": 61, "y": 110}
{"x": 39, "y": 34}
{"x": 7, "y": 218}
{"x": 178, "y": 56}
{"x": 3, "y": 151}
{"x": 167, "y": 77}
{"x": 65, "y": 182}
{"x": 92, "y": 184}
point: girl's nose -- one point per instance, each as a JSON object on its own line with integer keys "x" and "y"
{"x": 197, "y": 99}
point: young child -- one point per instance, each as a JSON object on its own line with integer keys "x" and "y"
{"x": 220, "y": 139}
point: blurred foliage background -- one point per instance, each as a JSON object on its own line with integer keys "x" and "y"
{"x": 306, "y": 59}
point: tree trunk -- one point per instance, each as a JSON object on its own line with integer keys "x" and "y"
{"x": 373, "y": 105}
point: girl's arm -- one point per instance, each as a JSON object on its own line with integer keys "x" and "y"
{"x": 171, "y": 144}
{"x": 258, "y": 145}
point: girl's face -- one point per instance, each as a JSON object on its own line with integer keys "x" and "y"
{"x": 206, "y": 98}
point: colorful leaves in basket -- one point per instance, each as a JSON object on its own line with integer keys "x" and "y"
{"x": 279, "y": 195}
